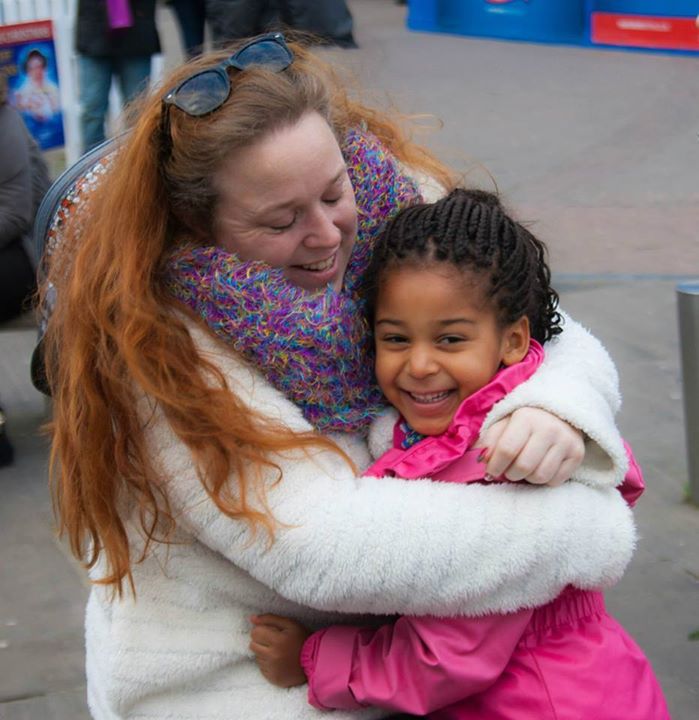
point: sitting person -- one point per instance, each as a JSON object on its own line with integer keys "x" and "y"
{"x": 23, "y": 182}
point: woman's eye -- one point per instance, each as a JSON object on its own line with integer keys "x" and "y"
{"x": 332, "y": 200}
{"x": 281, "y": 228}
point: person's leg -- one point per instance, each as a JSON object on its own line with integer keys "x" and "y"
{"x": 191, "y": 15}
{"x": 234, "y": 19}
{"x": 95, "y": 79}
{"x": 17, "y": 281}
{"x": 133, "y": 74}
{"x": 330, "y": 20}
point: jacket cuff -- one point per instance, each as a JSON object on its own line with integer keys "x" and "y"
{"x": 307, "y": 658}
{"x": 326, "y": 659}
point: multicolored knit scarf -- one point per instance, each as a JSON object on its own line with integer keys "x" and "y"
{"x": 313, "y": 347}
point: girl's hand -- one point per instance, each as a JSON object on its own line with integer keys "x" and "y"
{"x": 533, "y": 445}
{"x": 277, "y": 642}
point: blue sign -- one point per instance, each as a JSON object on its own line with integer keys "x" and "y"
{"x": 28, "y": 60}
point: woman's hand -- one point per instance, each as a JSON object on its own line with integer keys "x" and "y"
{"x": 533, "y": 445}
{"x": 277, "y": 642}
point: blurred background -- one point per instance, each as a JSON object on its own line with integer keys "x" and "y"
{"x": 593, "y": 143}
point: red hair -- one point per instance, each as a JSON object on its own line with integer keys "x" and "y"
{"x": 116, "y": 334}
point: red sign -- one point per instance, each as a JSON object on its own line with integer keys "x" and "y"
{"x": 648, "y": 31}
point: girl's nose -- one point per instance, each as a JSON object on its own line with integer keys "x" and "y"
{"x": 421, "y": 362}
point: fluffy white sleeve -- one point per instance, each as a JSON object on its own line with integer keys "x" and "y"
{"x": 579, "y": 383}
{"x": 391, "y": 546}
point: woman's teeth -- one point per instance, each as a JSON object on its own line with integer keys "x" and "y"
{"x": 322, "y": 265}
{"x": 429, "y": 397}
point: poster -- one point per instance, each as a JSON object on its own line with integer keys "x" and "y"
{"x": 28, "y": 59}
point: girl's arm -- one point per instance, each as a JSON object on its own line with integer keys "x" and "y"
{"x": 413, "y": 665}
{"x": 387, "y": 546}
{"x": 579, "y": 384}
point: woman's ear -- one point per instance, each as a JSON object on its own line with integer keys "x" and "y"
{"x": 515, "y": 341}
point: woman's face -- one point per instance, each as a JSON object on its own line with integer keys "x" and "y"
{"x": 287, "y": 200}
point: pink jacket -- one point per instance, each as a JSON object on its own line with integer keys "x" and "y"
{"x": 567, "y": 660}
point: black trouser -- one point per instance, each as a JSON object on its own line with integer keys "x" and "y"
{"x": 17, "y": 281}
{"x": 234, "y": 19}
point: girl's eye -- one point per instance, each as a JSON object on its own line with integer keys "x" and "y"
{"x": 451, "y": 339}
{"x": 394, "y": 339}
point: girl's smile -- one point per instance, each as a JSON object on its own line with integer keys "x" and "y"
{"x": 438, "y": 341}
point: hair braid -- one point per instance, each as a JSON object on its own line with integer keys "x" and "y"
{"x": 471, "y": 230}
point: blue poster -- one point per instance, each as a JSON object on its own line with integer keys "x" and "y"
{"x": 28, "y": 60}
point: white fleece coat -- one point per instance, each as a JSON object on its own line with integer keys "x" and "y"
{"x": 349, "y": 545}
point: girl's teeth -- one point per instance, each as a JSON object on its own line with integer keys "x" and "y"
{"x": 429, "y": 397}
{"x": 323, "y": 265}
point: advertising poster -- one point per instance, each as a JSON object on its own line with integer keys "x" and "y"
{"x": 28, "y": 60}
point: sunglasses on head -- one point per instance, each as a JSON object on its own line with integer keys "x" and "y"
{"x": 207, "y": 90}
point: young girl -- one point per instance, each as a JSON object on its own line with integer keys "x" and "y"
{"x": 460, "y": 299}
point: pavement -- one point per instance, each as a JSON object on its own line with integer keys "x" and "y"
{"x": 598, "y": 150}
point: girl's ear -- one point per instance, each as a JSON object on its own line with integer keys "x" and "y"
{"x": 515, "y": 341}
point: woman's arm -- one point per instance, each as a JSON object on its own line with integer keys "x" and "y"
{"x": 388, "y": 546}
{"x": 579, "y": 384}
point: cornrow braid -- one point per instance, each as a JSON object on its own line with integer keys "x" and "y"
{"x": 471, "y": 230}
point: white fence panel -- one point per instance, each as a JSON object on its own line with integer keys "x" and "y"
{"x": 63, "y": 14}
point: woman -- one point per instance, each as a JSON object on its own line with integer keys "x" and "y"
{"x": 211, "y": 375}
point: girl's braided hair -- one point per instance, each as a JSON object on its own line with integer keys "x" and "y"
{"x": 470, "y": 230}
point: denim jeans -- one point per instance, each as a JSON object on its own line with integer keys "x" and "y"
{"x": 95, "y": 78}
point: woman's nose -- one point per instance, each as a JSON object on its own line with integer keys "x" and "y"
{"x": 321, "y": 230}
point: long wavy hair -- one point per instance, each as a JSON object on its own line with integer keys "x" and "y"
{"x": 116, "y": 334}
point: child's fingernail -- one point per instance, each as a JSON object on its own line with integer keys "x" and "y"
{"x": 485, "y": 455}
{"x": 488, "y": 477}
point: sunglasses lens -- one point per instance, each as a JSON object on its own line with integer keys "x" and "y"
{"x": 267, "y": 53}
{"x": 203, "y": 93}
